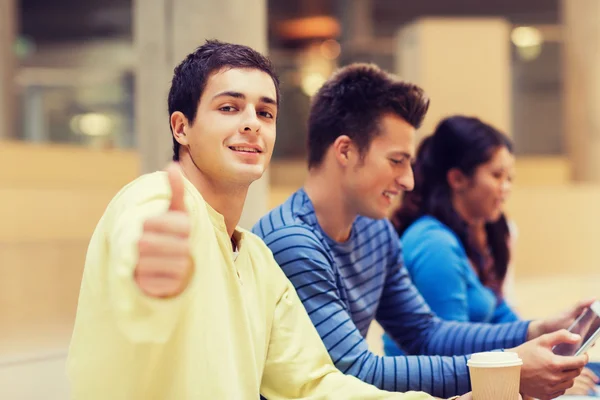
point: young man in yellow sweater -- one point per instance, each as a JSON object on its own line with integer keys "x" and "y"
{"x": 179, "y": 303}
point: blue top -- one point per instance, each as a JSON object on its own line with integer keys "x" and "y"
{"x": 440, "y": 269}
{"x": 345, "y": 286}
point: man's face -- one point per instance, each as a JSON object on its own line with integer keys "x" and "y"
{"x": 232, "y": 137}
{"x": 374, "y": 183}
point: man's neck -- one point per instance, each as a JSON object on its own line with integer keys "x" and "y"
{"x": 227, "y": 201}
{"x": 331, "y": 206}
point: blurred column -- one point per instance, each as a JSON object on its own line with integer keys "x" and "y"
{"x": 463, "y": 64}
{"x": 35, "y": 123}
{"x": 581, "y": 77}
{"x": 357, "y": 35}
{"x": 165, "y": 32}
{"x": 8, "y": 27}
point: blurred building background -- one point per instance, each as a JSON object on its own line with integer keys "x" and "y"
{"x": 83, "y": 111}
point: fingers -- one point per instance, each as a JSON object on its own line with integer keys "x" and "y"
{"x": 171, "y": 267}
{"x": 585, "y": 381}
{"x": 581, "y": 306}
{"x": 174, "y": 223}
{"x": 560, "y": 388}
{"x": 553, "y": 395}
{"x": 177, "y": 188}
{"x": 560, "y": 336}
{"x": 162, "y": 276}
{"x": 586, "y": 303}
{"x": 571, "y": 381}
{"x": 591, "y": 375}
{"x": 158, "y": 286}
{"x": 578, "y": 390}
{"x": 567, "y": 376}
{"x": 164, "y": 266}
{"x": 571, "y": 363}
{"x": 577, "y": 386}
{"x": 155, "y": 244}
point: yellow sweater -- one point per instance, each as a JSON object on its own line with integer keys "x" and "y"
{"x": 237, "y": 330}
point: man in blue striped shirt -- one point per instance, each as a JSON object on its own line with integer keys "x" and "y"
{"x": 333, "y": 242}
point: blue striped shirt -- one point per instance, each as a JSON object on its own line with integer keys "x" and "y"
{"x": 345, "y": 286}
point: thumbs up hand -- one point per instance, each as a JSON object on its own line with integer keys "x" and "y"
{"x": 165, "y": 266}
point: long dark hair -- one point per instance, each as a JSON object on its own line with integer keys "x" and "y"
{"x": 463, "y": 143}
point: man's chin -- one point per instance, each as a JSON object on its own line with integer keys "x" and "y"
{"x": 249, "y": 174}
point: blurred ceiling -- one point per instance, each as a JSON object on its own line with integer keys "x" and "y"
{"x": 67, "y": 20}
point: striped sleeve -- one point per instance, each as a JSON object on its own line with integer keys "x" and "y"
{"x": 307, "y": 265}
{"x": 405, "y": 315}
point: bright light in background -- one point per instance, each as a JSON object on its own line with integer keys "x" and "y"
{"x": 74, "y": 124}
{"x": 316, "y": 62}
{"x": 526, "y": 36}
{"x": 528, "y": 41}
{"x": 312, "y": 82}
{"x": 330, "y": 49}
{"x": 92, "y": 124}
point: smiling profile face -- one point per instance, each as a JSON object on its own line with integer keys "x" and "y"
{"x": 374, "y": 182}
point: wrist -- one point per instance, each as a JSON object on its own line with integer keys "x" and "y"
{"x": 535, "y": 329}
{"x": 516, "y": 350}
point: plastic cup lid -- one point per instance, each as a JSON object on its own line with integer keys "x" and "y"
{"x": 494, "y": 359}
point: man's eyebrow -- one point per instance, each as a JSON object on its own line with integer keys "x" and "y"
{"x": 238, "y": 95}
{"x": 268, "y": 100}
{"x": 402, "y": 154}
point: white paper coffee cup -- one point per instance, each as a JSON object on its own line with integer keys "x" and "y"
{"x": 495, "y": 375}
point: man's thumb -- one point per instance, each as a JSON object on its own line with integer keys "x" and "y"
{"x": 561, "y": 336}
{"x": 177, "y": 187}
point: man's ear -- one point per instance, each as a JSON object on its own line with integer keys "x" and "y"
{"x": 345, "y": 150}
{"x": 179, "y": 125}
{"x": 457, "y": 180}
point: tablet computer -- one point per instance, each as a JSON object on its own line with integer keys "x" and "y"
{"x": 587, "y": 325}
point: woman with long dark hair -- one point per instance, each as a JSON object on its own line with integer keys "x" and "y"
{"x": 455, "y": 237}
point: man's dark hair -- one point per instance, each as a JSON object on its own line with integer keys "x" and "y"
{"x": 190, "y": 76}
{"x": 352, "y": 103}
